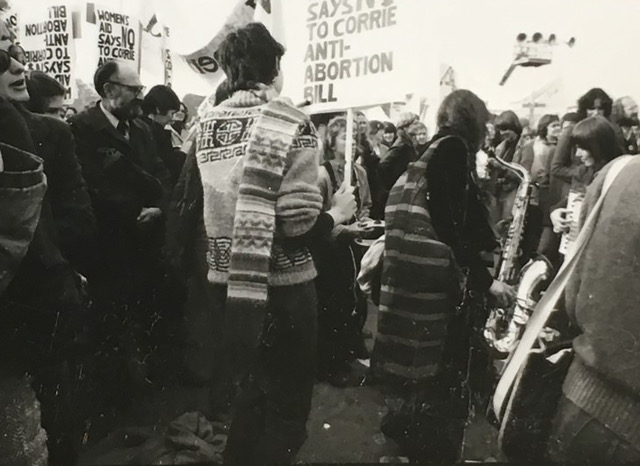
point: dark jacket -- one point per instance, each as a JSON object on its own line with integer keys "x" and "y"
{"x": 562, "y": 169}
{"x": 45, "y": 288}
{"x": 371, "y": 163}
{"x": 400, "y": 155}
{"x": 457, "y": 213}
{"x": 67, "y": 190}
{"x": 173, "y": 158}
{"x": 123, "y": 177}
{"x": 44, "y": 276}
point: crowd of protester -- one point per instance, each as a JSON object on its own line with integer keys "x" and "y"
{"x": 117, "y": 218}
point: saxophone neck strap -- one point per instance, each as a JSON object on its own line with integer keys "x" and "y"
{"x": 547, "y": 303}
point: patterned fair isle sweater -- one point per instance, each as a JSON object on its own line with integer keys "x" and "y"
{"x": 221, "y": 143}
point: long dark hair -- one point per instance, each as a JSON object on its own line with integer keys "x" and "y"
{"x": 588, "y": 100}
{"x": 464, "y": 114}
{"x": 249, "y": 56}
{"x": 596, "y": 134}
{"x": 543, "y": 124}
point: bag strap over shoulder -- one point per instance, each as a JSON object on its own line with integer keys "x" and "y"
{"x": 332, "y": 175}
{"x": 547, "y": 303}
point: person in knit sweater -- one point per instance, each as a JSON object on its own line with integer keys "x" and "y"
{"x": 342, "y": 306}
{"x": 258, "y": 159}
{"x": 598, "y": 417}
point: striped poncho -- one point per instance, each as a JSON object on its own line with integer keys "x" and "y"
{"x": 420, "y": 284}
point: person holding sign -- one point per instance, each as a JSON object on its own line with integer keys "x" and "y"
{"x": 343, "y": 309}
{"x": 258, "y": 159}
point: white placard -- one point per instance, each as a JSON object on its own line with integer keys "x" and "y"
{"x": 118, "y": 34}
{"x": 46, "y": 34}
{"x": 353, "y": 53}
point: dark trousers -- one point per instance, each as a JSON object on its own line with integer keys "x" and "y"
{"x": 274, "y": 396}
{"x": 131, "y": 318}
{"x": 576, "y": 437}
{"x": 342, "y": 308}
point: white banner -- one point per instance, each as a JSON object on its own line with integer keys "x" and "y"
{"x": 46, "y": 34}
{"x": 202, "y": 61}
{"x": 352, "y": 53}
{"x": 152, "y": 54}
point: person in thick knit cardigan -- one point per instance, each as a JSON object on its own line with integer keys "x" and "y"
{"x": 598, "y": 419}
{"x": 258, "y": 158}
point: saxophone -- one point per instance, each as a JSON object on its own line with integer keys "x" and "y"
{"x": 504, "y": 326}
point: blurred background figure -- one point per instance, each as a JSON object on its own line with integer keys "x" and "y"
{"x": 504, "y": 184}
{"x": 400, "y": 155}
{"x": 569, "y": 120}
{"x": 69, "y": 112}
{"x": 420, "y": 137}
{"x": 376, "y": 137}
{"x": 390, "y": 134}
{"x": 624, "y": 113}
{"x": 179, "y": 125}
{"x": 46, "y": 95}
{"x": 535, "y": 157}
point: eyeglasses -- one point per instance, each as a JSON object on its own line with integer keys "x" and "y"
{"x": 135, "y": 89}
{"x": 15, "y": 52}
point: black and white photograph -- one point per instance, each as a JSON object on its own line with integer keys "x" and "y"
{"x": 314, "y": 232}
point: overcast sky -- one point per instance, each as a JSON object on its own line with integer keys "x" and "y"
{"x": 476, "y": 37}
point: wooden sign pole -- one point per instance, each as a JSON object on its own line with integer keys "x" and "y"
{"x": 350, "y": 147}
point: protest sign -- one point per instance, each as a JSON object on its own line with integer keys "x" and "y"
{"x": 119, "y": 34}
{"x": 46, "y": 34}
{"x": 168, "y": 58}
{"x": 9, "y": 17}
{"x": 354, "y": 53}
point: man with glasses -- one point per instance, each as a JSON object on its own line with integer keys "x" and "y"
{"x": 127, "y": 184}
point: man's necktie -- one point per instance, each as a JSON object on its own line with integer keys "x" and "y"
{"x": 122, "y": 128}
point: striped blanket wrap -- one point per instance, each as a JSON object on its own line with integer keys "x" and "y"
{"x": 255, "y": 216}
{"x": 420, "y": 284}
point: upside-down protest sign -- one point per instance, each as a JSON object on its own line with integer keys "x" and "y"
{"x": 46, "y": 34}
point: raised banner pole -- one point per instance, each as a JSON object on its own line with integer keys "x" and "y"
{"x": 350, "y": 148}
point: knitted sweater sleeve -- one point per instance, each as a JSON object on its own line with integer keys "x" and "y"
{"x": 299, "y": 201}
